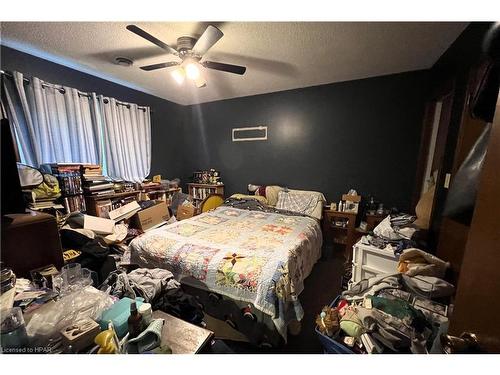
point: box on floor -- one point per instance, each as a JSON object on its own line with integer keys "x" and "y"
{"x": 151, "y": 217}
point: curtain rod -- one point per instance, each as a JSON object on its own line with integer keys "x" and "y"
{"x": 62, "y": 91}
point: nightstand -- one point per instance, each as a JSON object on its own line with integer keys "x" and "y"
{"x": 339, "y": 227}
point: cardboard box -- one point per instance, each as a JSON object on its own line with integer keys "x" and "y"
{"x": 185, "y": 211}
{"x": 151, "y": 217}
{"x": 124, "y": 212}
{"x": 98, "y": 224}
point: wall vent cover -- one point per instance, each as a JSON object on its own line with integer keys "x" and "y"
{"x": 254, "y": 133}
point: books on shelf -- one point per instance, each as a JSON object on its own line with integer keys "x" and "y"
{"x": 96, "y": 184}
{"x": 74, "y": 203}
{"x": 93, "y": 178}
{"x": 68, "y": 176}
{"x": 101, "y": 193}
{"x": 201, "y": 193}
{"x": 30, "y": 197}
{"x": 70, "y": 182}
{"x": 91, "y": 170}
{"x": 104, "y": 185}
{"x": 44, "y": 204}
{"x": 55, "y": 206}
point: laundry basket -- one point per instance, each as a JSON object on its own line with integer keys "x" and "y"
{"x": 330, "y": 345}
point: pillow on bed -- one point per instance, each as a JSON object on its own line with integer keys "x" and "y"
{"x": 269, "y": 192}
{"x": 301, "y": 201}
{"x": 259, "y": 198}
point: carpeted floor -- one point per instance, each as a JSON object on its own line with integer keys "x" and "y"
{"x": 321, "y": 287}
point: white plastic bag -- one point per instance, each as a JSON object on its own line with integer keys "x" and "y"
{"x": 49, "y": 319}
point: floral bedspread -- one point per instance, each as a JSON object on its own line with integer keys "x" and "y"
{"x": 251, "y": 256}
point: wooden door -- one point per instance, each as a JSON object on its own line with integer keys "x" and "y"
{"x": 433, "y": 144}
{"x": 477, "y": 299}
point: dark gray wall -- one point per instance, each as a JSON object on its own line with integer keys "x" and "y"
{"x": 166, "y": 117}
{"x": 360, "y": 134}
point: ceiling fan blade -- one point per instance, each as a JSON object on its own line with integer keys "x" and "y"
{"x": 209, "y": 37}
{"x": 138, "y": 31}
{"x": 236, "y": 69}
{"x": 160, "y": 65}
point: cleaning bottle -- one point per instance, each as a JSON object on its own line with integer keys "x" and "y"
{"x": 134, "y": 321}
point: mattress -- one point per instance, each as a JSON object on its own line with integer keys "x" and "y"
{"x": 257, "y": 257}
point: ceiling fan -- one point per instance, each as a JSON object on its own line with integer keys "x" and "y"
{"x": 190, "y": 51}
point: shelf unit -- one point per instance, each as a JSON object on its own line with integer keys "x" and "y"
{"x": 95, "y": 203}
{"x": 161, "y": 194}
{"x": 201, "y": 191}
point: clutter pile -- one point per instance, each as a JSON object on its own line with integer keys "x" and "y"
{"x": 97, "y": 302}
{"x": 65, "y": 313}
{"x": 99, "y": 243}
{"x": 395, "y": 233}
{"x": 401, "y": 312}
{"x": 41, "y": 191}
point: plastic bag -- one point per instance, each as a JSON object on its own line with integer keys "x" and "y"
{"x": 49, "y": 319}
{"x": 29, "y": 177}
{"x": 414, "y": 262}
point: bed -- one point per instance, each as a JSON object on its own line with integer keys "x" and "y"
{"x": 255, "y": 259}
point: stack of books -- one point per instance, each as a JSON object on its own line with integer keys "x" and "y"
{"x": 94, "y": 183}
{"x": 40, "y": 204}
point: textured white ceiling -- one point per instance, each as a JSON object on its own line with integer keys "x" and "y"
{"x": 278, "y": 55}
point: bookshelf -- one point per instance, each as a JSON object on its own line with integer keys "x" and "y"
{"x": 160, "y": 193}
{"x": 101, "y": 205}
{"x": 200, "y": 191}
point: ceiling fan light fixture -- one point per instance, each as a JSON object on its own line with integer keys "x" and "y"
{"x": 178, "y": 75}
{"x": 192, "y": 70}
{"x": 191, "y": 52}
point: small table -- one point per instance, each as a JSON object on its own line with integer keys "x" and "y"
{"x": 182, "y": 337}
{"x": 340, "y": 235}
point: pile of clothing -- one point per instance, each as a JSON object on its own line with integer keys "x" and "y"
{"x": 159, "y": 288}
{"x": 395, "y": 232}
{"x": 404, "y": 311}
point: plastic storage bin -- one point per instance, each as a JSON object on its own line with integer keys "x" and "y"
{"x": 369, "y": 261}
{"x": 330, "y": 345}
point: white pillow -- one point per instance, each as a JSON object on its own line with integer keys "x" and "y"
{"x": 301, "y": 201}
